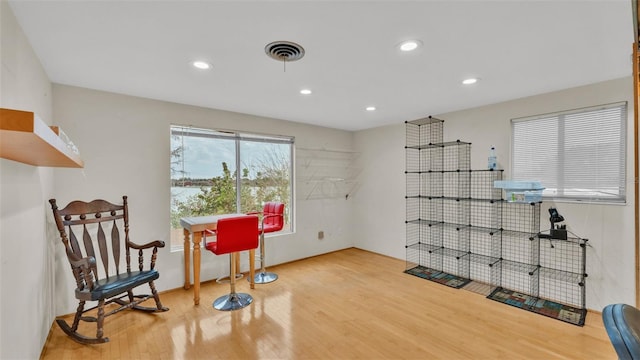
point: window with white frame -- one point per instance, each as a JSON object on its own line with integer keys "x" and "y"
{"x": 577, "y": 154}
{"x": 219, "y": 172}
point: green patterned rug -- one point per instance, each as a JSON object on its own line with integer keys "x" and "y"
{"x": 438, "y": 276}
{"x": 552, "y": 309}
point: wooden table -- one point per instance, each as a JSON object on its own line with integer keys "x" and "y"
{"x": 196, "y": 226}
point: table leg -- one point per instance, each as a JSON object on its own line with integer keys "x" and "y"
{"x": 187, "y": 265}
{"x": 252, "y": 268}
{"x": 197, "y": 237}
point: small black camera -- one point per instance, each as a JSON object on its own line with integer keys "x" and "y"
{"x": 557, "y": 231}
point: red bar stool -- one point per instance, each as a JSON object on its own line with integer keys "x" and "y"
{"x": 272, "y": 221}
{"x": 233, "y": 235}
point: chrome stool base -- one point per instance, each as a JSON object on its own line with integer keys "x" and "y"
{"x": 264, "y": 277}
{"x": 232, "y": 302}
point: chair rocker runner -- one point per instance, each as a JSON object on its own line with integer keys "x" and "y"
{"x": 102, "y": 223}
{"x": 233, "y": 235}
{"x": 272, "y": 221}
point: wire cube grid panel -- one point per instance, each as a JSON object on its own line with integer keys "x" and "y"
{"x": 432, "y": 235}
{"x": 423, "y": 236}
{"x": 562, "y": 272}
{"x": 413, "y": 256}
{"x": 486, "y": 243}
{"x": 412, "y": 156}
{"x": 554, "y": 286}
{"x": 455, "y": 237}
{"x": 413, "y": 181}
{"x": 431, "y": 209}
{"x": 520, "y": 247}
{"x": 522, "y": 217}
{"x": 424, "y": 131}
{"x": 413, "y": 232}
{"x": 432, "y": 184}
{"x": 482, "y": 184}
{"x": 455, "y": 211}
{"x": 412, "y": 208}
{"x": 450, "y": 156}
{"x": 485, "y": 214}
{"x": 454, "y": 184}
{"x": 457, "y": 156}
{"x": 431, "y": 258}
{"x": 455, "y": 262}
{"x": 563, "y": 255}
{"x": 519, "y": 277}
{"x": 485, "y": 269}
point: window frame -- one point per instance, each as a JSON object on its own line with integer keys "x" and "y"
{"x": 621, "y": 197}
{"x": 239, "y": 136}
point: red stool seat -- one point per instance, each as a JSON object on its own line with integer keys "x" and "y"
{"x": 234, "y": 234}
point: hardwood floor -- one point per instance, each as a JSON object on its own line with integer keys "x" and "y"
{"x": 344, "y": 305}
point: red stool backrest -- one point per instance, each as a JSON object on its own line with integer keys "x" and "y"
{"x": 235, "y": 234}
{"x": 273, "y": 213}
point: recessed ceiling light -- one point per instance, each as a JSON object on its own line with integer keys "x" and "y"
{"x": 409, "y": 45}
{"x": 203, "y": 65}
{"x": 305, "y": 92}
{"x": 470, "y": 81}
{"x": 370, "y": 108}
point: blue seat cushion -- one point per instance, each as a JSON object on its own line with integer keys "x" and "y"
{"x": 622, "y": 323}
{"x": 117, "y": 284}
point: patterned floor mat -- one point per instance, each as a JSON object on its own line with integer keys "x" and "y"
{"x": 438, "y": 276}
{"x": 548, "y": 308}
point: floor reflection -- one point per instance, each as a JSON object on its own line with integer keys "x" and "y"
{"x": 248, "y": 333}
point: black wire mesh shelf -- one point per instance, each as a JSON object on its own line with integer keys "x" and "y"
{"x": 531, "y": 236}
{"x": 424, "y": 222}
{"x": 424, "y": 247}
{"x": 519, "y": 267}
{"x": 560, "y": 275}
{"x": 458, "y": 254}
{"x": 460, "y": 230}
{"x": 437, "y": 145}
{"x": 485, "y": 260}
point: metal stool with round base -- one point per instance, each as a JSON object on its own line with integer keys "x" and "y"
{"x": 272, "y": 221}
{"x": 233, "y": 300}
{"x": 263, "y": 276}
{"x": 233, "y": 235}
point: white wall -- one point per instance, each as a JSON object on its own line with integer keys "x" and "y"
{"x": 609, "y": 228}
{"x": 379, "y": 206}
{"x": 26, "y": 250}
{"x": 124, "y": 142}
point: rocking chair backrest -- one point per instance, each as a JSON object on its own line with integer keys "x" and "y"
{"x": 98, "y": 223}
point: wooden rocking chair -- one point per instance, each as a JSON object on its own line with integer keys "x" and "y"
{"x": 95, "y": 280}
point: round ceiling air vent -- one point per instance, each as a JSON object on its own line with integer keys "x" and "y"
{"x": 284, "y": 51}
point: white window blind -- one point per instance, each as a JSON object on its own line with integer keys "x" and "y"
{"x": 576, "y": 154}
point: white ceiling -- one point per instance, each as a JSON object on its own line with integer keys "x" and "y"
{"x": 517, "y": 48}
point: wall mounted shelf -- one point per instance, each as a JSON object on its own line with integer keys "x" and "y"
{"x": 25, "y": 138}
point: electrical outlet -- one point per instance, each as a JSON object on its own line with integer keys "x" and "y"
{"x": 320, "y": 235}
